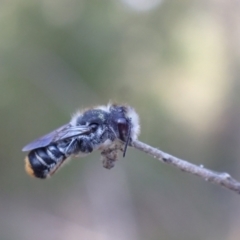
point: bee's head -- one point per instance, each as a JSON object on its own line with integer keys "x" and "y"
{"x": 120, "y": 124}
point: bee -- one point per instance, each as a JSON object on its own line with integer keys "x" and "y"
{"x": 109, "y": 129}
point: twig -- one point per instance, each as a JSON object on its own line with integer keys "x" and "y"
{"x": 223, "y": 179}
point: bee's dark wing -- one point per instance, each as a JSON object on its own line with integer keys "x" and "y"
{"x": 64, "y": 132}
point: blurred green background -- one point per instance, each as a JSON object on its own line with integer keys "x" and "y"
{"x": 176, "y": 62}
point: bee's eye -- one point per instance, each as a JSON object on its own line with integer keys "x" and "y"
{"x": 123, "y": 128}
{"x": 122, "y": 121}
{"x": 93, "y": 126}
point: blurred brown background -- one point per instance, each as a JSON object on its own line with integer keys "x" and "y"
{"x": 176, "y": 62}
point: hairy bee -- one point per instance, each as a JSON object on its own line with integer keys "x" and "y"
{"x": 109, "y": 129}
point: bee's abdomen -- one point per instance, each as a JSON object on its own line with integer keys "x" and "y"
{"x": 43, "y": 162}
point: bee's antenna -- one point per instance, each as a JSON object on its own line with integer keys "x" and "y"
{"x": 128, "y": 139}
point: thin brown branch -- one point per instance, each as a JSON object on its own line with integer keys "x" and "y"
{"x": 223, "y": 179}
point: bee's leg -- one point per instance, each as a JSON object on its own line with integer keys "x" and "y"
{"x": 71, "y": 147}
{"x": 109, "y": 157}
{"x": 85, "y": 145}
